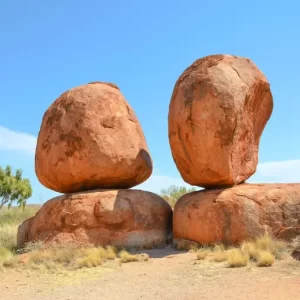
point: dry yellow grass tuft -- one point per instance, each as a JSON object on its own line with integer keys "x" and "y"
{"x": 219, "y": 254}
{"x": 126, "y": 257}
{"x": 250, "y": 249}
{"x": 93, "y": 258}
{"x": 237, "y": 258}
{"x": 263, "y": 250}
{"x": 202, "y": 253}
{"x": 265, "y": 259}
{"x": 8, "y": 236}
{"x": 58, "y": 258}
{"x": 267, "y": 243}
{"x": 70, "y": 256}
{"x": 111, "y": 252}
{"x": 262, "y": 244}
{"x": 7, "y": 258}
{"x": 9, "y": 222}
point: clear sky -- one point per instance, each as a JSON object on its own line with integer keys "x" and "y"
{"x": 47, "y": 47}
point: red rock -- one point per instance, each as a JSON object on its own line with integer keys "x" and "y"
{"x": 23, "y": 258}
{"x": 125, "y": 218}
{"x": 219, "y": 108}
{"x": 91, "y": 138}
{"x": 235, "y": 214}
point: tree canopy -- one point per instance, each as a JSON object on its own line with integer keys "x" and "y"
{"x": 173, "y": 193}
{"x": 13, "y": 188}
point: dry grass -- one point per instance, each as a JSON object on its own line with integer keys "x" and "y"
{"x": 265, "y": 259}
{"x": 126, "y": 257}
{"x": 10, "y": 219}
{"x": 7, "y": 259}
{"x": 65, "y": 257}
{"x": 237, "y": 258}
{"x": 9, "y": 222}
{"x": 264, "y": 243}
{"x": 15, "y": 215}
{"x": 72, "y": 257}
{"x": 8, "y": 236}
{"x": 263, "y": 250}
{"x": 36, "y": 256}
{"x": 202, "y": 253}
{"x": 218, "y": 254}
{"x": 250, "y": 248}
{"x": 97, "y": 256}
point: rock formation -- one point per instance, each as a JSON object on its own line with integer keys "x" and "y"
{"x": 239, "y": 213}
{"x": 126, "y": 218}
{"x": 219, "y": 108}
{"x": 90, "y": 138}
{"x": 92, "y": 145}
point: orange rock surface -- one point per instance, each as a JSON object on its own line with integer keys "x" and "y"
{"x": 219, "y": 108}
{"x": 236, "y": 214}
{"x": 91, "y": 138}
{"x": 125, "y": 218}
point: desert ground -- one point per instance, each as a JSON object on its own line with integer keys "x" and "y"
{"x": 169, "y": 274}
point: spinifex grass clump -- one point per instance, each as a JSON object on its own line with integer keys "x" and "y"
{"x": 265, "y": 259}
{"x": 237, "y": 258}
{"x": 263, "y": 250}
{"x": 126, "y": 257}
{"x": 59, "y": 257}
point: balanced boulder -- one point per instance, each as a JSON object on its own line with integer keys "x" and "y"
{"x": 125, "y": 218}
{"x": 236, "y": 214}
{"x": 91, "y": 138}
{"x": 219, "y": 108}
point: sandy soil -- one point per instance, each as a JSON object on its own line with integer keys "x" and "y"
{"x": 169, "y": 274}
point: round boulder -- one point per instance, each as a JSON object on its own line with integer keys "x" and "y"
{"x": 125, "y": 218}
{"x": 219, "y": 108}
{"x": 91, "y": 138}
{"x": 233, "y": 215}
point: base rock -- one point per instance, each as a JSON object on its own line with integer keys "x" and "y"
{"x": 125, "y": 218}
{"x": 243, "y": 212}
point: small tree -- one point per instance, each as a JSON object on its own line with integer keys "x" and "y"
{"x": 13, "y": 188}
{"x": 173, "y": 193}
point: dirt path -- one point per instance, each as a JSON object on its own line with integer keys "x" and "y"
{"x": 168, "y": 275}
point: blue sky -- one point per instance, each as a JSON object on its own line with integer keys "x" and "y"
{"x": 47, "y": 47}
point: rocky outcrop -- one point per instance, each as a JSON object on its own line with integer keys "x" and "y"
{"x": 125, "y": 218}
{"x": 91, "y": 138}
{"x": 219, "y": 108}
{"x": 236, "y": 214}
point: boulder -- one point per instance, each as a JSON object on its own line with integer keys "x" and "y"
{"x": 236, "y": 214}
{"x": 218, "y": 110}
{"x": 90, "y": 138}
{"x": 125, "y": 218}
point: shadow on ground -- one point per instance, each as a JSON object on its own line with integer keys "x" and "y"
{"x": 159, "y": 253}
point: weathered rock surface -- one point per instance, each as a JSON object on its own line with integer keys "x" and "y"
{"x": 91, "y": 138}
{"x": 126, "y": 218}
{"x": 235, "y": 214}
{"x": 219, "y": 108}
